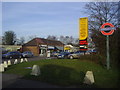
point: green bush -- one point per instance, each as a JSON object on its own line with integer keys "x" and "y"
{"x": 97, "y": 58}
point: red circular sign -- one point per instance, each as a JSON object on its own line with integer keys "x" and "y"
{"x": 107, "y": 33}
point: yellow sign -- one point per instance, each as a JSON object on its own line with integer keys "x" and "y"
{"x": 83, "y": 30}
{"x": 66, "y": 48}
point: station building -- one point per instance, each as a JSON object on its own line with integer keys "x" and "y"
{"x": 40, "y": 46}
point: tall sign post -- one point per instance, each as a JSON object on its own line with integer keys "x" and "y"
{"x": 107, "y": 29}
{"x": 83, "y": 33}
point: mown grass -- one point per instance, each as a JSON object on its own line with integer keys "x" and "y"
{"x": 66, "y": 72}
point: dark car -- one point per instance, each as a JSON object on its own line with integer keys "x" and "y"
{"x": 27, "y": 54}
{"x": 4, "y": 51}
{"x": 13, "y": 54}
{"x": 94, "y": 51}
{"x": 64, "y": 55}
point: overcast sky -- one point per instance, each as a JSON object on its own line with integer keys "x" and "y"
{"x": 42, "y": 18}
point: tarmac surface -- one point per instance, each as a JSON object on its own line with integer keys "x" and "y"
{"x": 16, "y": 81}
{"x": 35, "y": 58}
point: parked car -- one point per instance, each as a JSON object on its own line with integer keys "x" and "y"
{"x": 13, "y": 54}
{"x": 54, "y": 54}
{"x": 27, "y": 54}
{"x": 88, "y": 52}
{"x": 76, "y": 55}
{"x": 92, "y": 51}
{"x": 64, "y": 54}
{"x": 4, "y": 51}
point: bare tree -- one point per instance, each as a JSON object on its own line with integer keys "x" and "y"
{"x": 22, "y": 40}
{"x": 52, "y": 37}
{"x": 68, "y": 39}
{"x": 31, "y": 37}
{"x": 61, "y": 38}
{"x": 102, "y": 12}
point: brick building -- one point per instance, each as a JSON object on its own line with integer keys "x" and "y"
{"x": 40, "y": 46}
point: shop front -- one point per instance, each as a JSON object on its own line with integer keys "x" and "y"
{"x": 42, "y": 50}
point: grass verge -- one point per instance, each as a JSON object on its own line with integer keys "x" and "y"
{"x": 66, "y": 72}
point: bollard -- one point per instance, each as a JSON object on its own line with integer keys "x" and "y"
{"x": 26, "y": 60}
{"x": 16, "y": 61}
{"x": 89, "y": 78}
{"x": 35, "y": 70}
{"x": 48, "y": 54}
{"x": 21, "y": 60}
{"x": 9, "y": 62}
{"x": 5, "y": 64}
{"x": 2, "y": 68}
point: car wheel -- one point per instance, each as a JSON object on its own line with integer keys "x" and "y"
{"x": 71, "y": 57}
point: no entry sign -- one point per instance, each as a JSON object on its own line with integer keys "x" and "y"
{"x": 110, "y": 29}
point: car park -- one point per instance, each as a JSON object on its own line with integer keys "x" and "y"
{"x": 27, "y": 54}
{"x": 76, "y": 55}
{"x": 13, "y": 54}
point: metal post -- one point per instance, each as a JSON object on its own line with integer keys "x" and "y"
{"x": 108, "y": 55}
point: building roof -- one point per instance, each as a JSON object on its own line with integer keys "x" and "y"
{"x": 42, "y": 41}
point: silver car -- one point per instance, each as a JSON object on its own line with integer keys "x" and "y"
{"x": 75, "y": 55}
{"x": 27, "y": 54}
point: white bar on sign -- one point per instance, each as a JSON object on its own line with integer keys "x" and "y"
{"x": 107, "y": 29}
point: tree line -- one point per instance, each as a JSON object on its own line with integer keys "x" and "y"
{"x": 10, "y": 38}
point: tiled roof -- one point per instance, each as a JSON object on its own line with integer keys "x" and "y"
{"x": 39, "y": 41}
